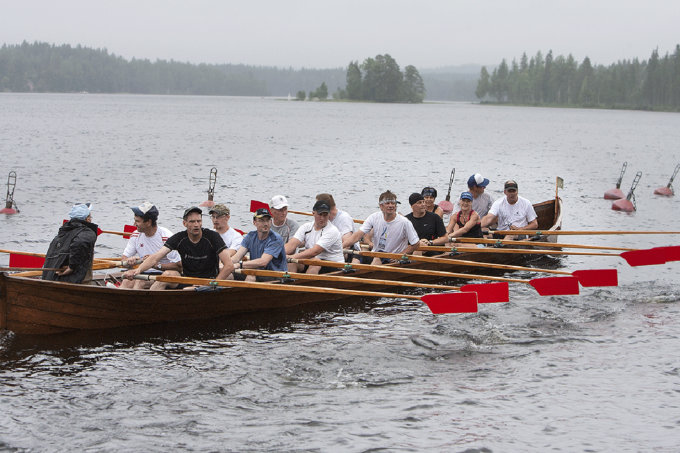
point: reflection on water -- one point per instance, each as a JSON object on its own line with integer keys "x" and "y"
{"x": 590, "y": 372}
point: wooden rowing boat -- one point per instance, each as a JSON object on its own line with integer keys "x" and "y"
{"x": 30, "y": 306}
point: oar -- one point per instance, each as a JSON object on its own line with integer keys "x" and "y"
{"x": 591, "y": 277}
{"x": 577, "y": 232}
{"x": 486, "y": 292}
{"x": 126, "y": 233}
{"x": 641, "y": 257}
{"x": 547, "y": 286}
{"x": 15, "y": 269}
{"x": 33, "y": 259}
{"x": 499, "y": 242}
{"x": 95, "y": 267}
{"x": 255, "y": 205}
{"x": 463, "y": 302}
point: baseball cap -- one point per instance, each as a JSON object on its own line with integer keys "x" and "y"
{"x": 80, "y": 211}
{"x": 262, "y": 212}
{"x": 321, "y": 207}
{"x": 466, "y": 196}
{"x": 219, "y": 209}
{"x": 477, "y": 180}
{"x": 278, "y": 202}
{"x": 147, "y": 210}
{"x": 190, "y": 210}
{"x": 510, "y": 184}
{"x": 429, "y": 192}
{"x": 414, "y": 198}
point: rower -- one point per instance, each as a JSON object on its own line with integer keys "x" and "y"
{"x": 147, "y": 240}
{"x": 281, "y": 223}
{"x": 321, "y": 239}
{"x": 200, "y": 249}
{"x": 512, "y": 212}
{"x": 466, "y": 222}
{"x": 429, "y": 194}
{"x": 429, "y": 226}
{"x": 265, "y": 247}
{"x": 392, "y": 232}
{"x": 481, "y": 201}
{"x": 342, "y": 221}
{"x": 220, "y": 215}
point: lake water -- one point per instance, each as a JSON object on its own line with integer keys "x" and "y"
{"x": 594, "y": 372}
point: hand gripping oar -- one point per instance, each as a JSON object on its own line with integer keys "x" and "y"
{"x": 486, "y": 292}
{"x": 548, "y": 286}
{"x": 438, "y": 303}
{"x": 590, "y": 277}
{"x": 642, "y": 257}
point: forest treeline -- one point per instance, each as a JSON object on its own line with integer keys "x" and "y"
{"x": 653, "y": 84}
{"x": 43, "y": 67}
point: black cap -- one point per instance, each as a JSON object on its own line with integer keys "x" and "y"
{"x": 190, "y": 210}
{"x": 429, "y": 192}
{"x": 146, "y": 211}
{"x": 321, "y": 207}
{"x": 415, "y": 198}
{"x": 262, "y": 212}
{"x": 510, "y": 185}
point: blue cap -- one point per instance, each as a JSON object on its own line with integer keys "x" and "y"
{"x": 80, "y": 211}
{"x": 477, "y": 180}
{"x": 466, "y": 196}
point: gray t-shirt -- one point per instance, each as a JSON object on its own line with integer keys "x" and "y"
{"x": 287, "y": 230}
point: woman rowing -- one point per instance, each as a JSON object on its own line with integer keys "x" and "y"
{"x": 429, "y": 194}
{"x": 466, "y": 222}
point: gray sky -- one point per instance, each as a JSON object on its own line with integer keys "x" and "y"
{"x": 330, "y": 33}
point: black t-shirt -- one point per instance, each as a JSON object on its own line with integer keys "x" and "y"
{"x": 200, "y": 259}
{"x": 430, "y": 226}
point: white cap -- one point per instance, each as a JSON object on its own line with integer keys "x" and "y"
{"x": 278, "y": 202}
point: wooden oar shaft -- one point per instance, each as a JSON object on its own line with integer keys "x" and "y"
{"x": 584, "y": 232}
{"x": 430, "y": 259}
{"x": 310, "y": 214}
{"x": 335, "y": 278}
{"x": 42, "y": 255}
{"x": 119, "y": 233}
{"x": 95, "y": 267}
{"x": 541, "y": 244}
{"x": 16, "y": 269}
{"x": 403, "y": 270}
{"x": 438, "y": 248}
{"x": 271, "y": 286}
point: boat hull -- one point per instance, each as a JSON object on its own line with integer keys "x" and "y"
{"x": 30, "y": 306}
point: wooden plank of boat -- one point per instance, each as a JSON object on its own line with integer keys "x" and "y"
{"x": 30, "y": 306}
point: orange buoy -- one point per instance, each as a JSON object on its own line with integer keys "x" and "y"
{"x": 615, "y": 194}
{"x": 625, "y": 204}
{"x": 668, "y": 190}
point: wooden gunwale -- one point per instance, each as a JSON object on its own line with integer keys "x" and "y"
{"x": 30, "y": 306}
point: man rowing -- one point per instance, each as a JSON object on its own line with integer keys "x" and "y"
{"x": 392, "y": 232}
{"x": 428, "y": 225}
{"x": 264, "y": 246}
{"x": 147, "y": 240}
{"x": 321, "y": 239}
{"x": 220, "y": 215}
{"x": 342, "y": 221}
{"x": 281, "y": 223}
{"x": 200, "y": 249}
{"x": 481, "y": 201}
{"x": 72, "y": 249}
{"x": 512, "y": 212}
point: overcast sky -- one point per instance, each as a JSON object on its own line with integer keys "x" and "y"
{"x": 330, "y": 33}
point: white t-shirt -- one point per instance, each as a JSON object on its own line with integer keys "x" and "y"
{"x": 518, "y": 214}
{"x": 390, "y": 237}
{"x": 141, "y": 245}
{"x": 345, "y": 224}
{"x": 329, "y": 238}
{"x": 232, "y": 238}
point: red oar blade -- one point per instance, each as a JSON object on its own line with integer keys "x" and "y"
{"x": 597, "y": 277}
{"x": 672, "y": 253}
{"x": 129, "y": 229}
{"x": 489, "y": 292}
{"x": 644, "y": 257}
{"x": 25, "y": 260}
{"x": 255, "y": 205}
{"x": 451, "y": 302}
{"x": 555, "y": 286}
